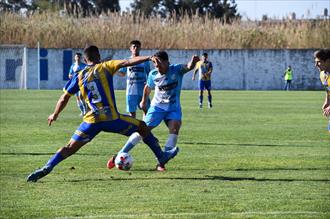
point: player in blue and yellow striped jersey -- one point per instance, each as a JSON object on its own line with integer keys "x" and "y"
{"x": 95, "y": 83}
{"x": 204, "y": 68}
{"x": 322, "y": 62}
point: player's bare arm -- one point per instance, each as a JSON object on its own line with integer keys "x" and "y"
{"x": 191, "y": 65}
{"x": 146, "y": 93}
{"x": 134, "y": 61}
{"x": 61, "y": 104}
{"x": 194, "y": 74}
{"x": 326, "y": 106}
{"x": 209, "y": 72}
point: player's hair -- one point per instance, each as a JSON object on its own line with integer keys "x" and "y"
{"x": 162, "y": 55}
{"x": 135, "y": 42}
{"x": 322, "y": 54}
{"x": 92, "y": 53}
{"x": 205, "y": 54}
{"x": 78, "y": 54}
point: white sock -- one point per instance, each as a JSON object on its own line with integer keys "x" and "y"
{"x": 171, "y": 142}
{"x": 131, "y": 142}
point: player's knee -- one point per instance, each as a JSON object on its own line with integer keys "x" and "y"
{"x": 143, "y": 129}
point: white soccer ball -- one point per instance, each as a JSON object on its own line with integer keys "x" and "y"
{"x": 124, "y": 161}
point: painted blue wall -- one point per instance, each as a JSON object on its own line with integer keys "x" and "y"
{"x": 232, "y": 69}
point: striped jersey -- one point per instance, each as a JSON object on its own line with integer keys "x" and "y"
{"x": 203, "y": 68}
{"x": 325, "y": 79}
{"x": 95, "y": 83}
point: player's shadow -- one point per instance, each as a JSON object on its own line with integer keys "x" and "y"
{"x": 205, "y": 178}
{"x": 45, "y": 153}
{"x": 240, "y": 144}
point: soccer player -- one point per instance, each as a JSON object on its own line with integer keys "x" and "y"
{"x": 136, "y": 79}
{"x": 165, "y": 106}
{"x": 204, "y": 68}
{"x": 322, "y": 62}
{"x": 75, "y": 68}
{"x": 95, "y": 83}
{"x": 288, "y": 78}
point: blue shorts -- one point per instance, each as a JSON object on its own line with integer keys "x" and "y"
{"x": 133, "y": 102}
{"x": 125, "y": 125}
{"x": 204, "y": 85}
{"x": 155, "y": 116}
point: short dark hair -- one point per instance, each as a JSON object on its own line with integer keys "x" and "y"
{"x": 78, "y": 54}
{"x": 162, "y": 55}
{"x": 92, "y": 53}
{"x": 135, "y": 42}
{"x": 205, "y": 54}
{"x": 322, "y": 54}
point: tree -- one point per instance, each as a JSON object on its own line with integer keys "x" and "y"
{"x": 224, "y": 9}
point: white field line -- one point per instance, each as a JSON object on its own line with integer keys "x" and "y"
{"x": 253, "y": 213}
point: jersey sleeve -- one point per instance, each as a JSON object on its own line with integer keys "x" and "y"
{"x": 71, "y": 87}
{"x": 210, "y": 65}
{"x": 150, "y": 79}
{"x": 181, "y": 68}
{"x": 123, "y": 70}
{"x": 112, "y": 66}
{"x": 71, "y": 70}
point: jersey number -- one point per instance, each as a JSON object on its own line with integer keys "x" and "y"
{"x": 96, "y": 98}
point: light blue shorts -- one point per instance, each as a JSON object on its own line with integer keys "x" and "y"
{"x": 156, "y": 115}
{"x": 133, "y": 101}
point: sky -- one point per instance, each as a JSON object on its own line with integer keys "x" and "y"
{"x": 255, "y": 9}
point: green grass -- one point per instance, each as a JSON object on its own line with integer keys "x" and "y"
{"x": 256, "y": 154}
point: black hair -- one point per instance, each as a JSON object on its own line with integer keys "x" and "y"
{"x": 162, "y": 55}
{"x": 322, "y": 54}
{"x": 92, "y": 53}
{"x": 78, "y": 54}
{"x": 135, "y": 42}
{"x": 205, "y": 54}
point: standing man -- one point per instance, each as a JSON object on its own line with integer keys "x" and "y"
{"x": 322, "y": 62}
{"x": 136, "y": 79}
{"x": 288, "y": 78}
{"x": 75, "y": 68}
{"x": 166, "y": 79}
{"x": 95, "y": 83}
{"x": 204, "y": 68}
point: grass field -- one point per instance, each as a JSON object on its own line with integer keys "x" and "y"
{"x": 256, "y": 154}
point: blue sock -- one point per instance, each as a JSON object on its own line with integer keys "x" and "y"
{"x": 210, "y": 99}
{"x": 201, "y": 100}
{"x": 54, "y": 160}
{"x": 152, "y": 142}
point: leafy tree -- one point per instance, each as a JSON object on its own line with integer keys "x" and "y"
{"x": 225, "y": 9}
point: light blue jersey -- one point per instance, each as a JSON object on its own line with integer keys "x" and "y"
{"x": 76, "y": 68}
{"x": 136, "y": 78}
{"x": 167, "y": 87}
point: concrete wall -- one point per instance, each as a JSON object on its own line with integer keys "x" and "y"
{"x": 233, "y": 69}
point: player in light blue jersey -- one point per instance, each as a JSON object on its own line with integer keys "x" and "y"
{"x": 95, "y": 83}
{"x": 74, "y": 69}
{"x": 136, "y": 79}
{"x": 166, "y": 79}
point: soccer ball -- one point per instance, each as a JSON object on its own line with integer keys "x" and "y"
{"x": 124, "y": 161}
